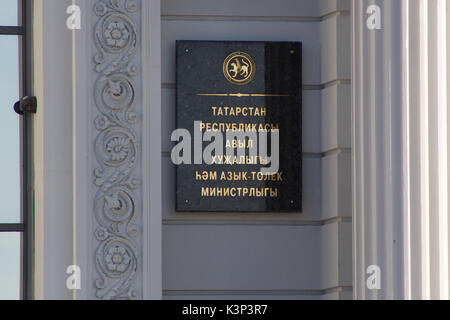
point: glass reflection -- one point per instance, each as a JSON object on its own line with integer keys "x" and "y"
{"x": 8, "y": 13}
{"x": 10, "y": 266}
{"x": 9, "y": 129}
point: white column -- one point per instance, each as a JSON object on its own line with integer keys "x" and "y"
{"x": 400, "y": 135}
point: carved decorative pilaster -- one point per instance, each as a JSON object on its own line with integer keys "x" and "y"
{"x": 117, "y": 202}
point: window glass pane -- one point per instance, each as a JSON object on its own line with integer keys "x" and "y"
{"x": 10, "y": 266}
{"x": 8, "y": 12}
{"x": 9, "y": 130}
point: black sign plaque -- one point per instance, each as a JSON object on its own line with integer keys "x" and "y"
{"x": 228, "y": 86}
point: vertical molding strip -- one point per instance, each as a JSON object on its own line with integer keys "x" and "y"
{"x": 404, "y": 232}
{"x": 442, "y": 84}
{"x": 400, "y": 139}
{"x": 117, "y": 181}
{"x": 151, "y": 150}
{"x": 423, "y": 140}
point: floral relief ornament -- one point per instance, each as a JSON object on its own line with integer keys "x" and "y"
{"x": 101, "y": 234}
{"x": 118, "y": 148}
{"x": 117, "y": 259}
{"x": 101, "y": 123}
{"x": 100, "y": 9}
{"x": 117, "y": 34}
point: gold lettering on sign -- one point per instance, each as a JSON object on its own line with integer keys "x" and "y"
{"x": 239, "y": 111}
{"x": 241, "y": 95}
{"x": 252, "y": 192}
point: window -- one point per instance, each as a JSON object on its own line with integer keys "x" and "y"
{"x": 15, "y": 163}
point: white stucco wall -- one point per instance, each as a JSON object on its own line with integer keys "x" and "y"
{"x": 305, "y": 255}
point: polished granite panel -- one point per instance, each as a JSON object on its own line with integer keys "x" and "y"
{"x": 241, "y": 83}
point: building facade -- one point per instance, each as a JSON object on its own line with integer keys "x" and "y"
{"x": 374, "y": 223}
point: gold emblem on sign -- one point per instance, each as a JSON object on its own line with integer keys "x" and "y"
{"x": 239, "y": 68}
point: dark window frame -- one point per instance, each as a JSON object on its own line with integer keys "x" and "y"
{"x": 26, "y": 227}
